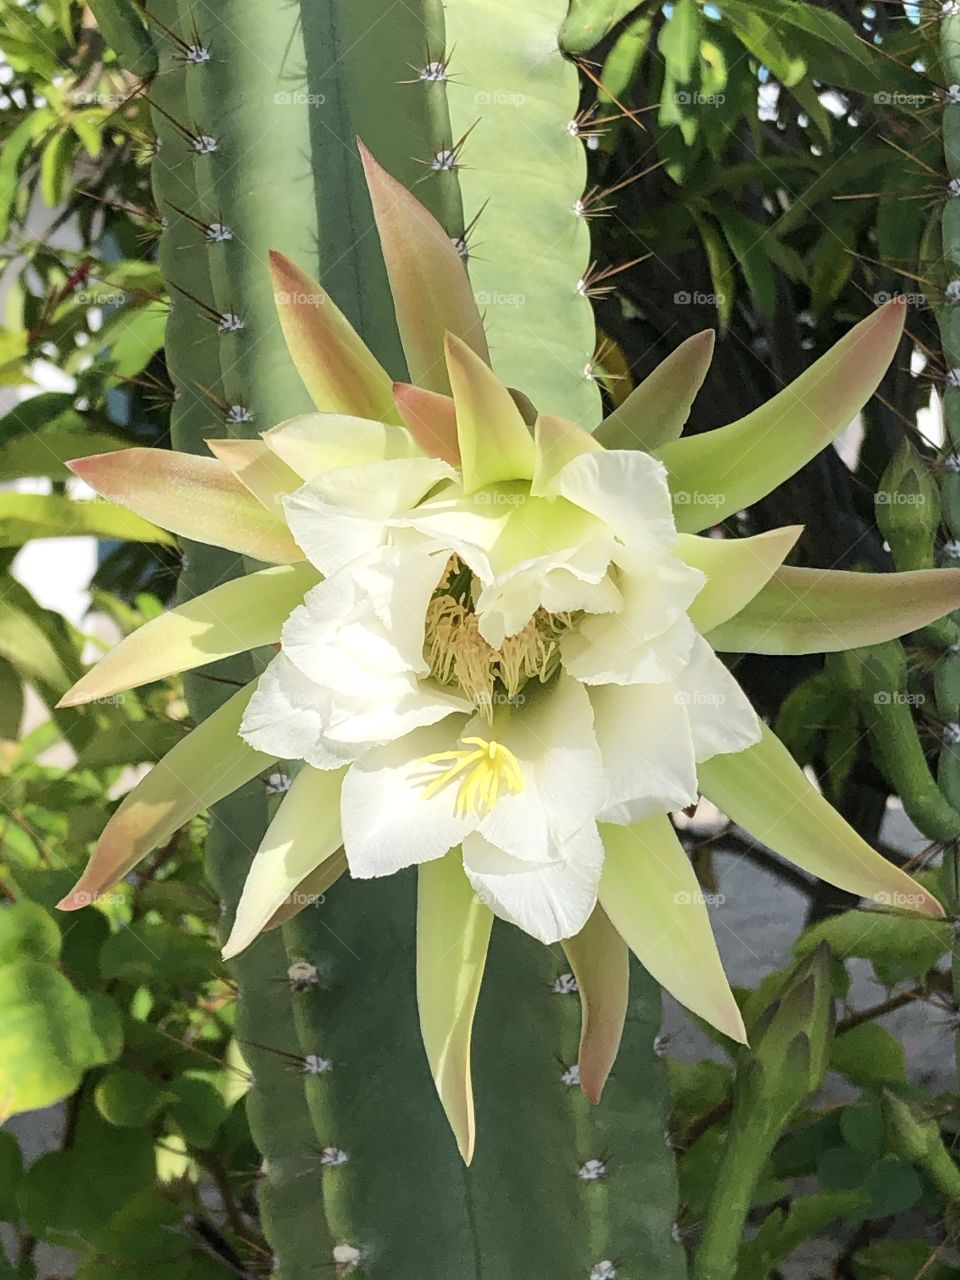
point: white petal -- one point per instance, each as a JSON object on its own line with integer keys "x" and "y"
{"x": 720, "y": 713}
{"x": 548, "y": 900}
{"x": 568, "y": 578}
{"x": 647, "y": 749}
{"x": 627, "y": 490}
{"x": 361, "y": 630}
{"x": 603, "y": 650}
{"x": 387, "y": 821}
{"x": 286, "y": 718}
{"x": 317, "y": 442}
{"x": 362, "y": 721}
{"x": 650, "y": 639}
{"x": 551, "y": 734}
{"x": 343, "y": 514}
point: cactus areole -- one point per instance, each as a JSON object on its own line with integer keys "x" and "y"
{"x": 497, "y": 647}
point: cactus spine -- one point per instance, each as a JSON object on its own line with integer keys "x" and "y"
{"x": 256, "y": 117}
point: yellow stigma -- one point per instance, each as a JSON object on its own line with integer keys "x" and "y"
{"x": 485, "y": 770}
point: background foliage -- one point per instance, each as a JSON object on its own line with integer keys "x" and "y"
{"x": 771, "y": 169}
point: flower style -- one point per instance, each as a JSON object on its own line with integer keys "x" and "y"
{"x": 496, "y": 648}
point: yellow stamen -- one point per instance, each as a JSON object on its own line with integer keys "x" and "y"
{"x": 486, "y": 769}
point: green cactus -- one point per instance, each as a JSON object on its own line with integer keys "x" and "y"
{"x": 256, "y": 116}
{"x": 276, "y": 1105}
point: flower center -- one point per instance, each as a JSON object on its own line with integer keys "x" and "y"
{"x": 484, "y": 770}
{"x": 459, "y": 655}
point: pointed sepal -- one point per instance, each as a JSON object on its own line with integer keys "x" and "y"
{"x": 495, "y": 443}
{"x": 193, "y": 497}
{"x": 239, "y": 615}
{"x": 431, "y": 290}
{"x": 653, "y": 898}
{"x": 718, "y": 473}
{"x": 735, "y": 570}
{"x": 556, "y": 442}
{"x": 208, "y": 764}
{"x": 827, "y": 610}
{"x": 600, "y": 961}
{"x": 431, "y": 419}
{"x": 258, "y": 469}
{"x": 453, "y": 934}
{"x": 303, "y": 835}
{"x": 655, "y": 412}
{"x": 337, "y": 368}
{"x": 765, "y": 791}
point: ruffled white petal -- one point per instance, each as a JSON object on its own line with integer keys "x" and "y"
{"x": 548, "y": 900}
{"x": 627, "y": 490}
{"x": 286, "y": 717}
{"x": 423, "y": 703}
{"x": 361, "y": 631}
{"x": 343, "y": 514}
{"x": 721, "y": 717}
{"x": 647, "y": 749}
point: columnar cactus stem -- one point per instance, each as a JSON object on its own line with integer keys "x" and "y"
{"x": 523, "y": 177}
{"x": 276, "y": 1105}
{"x": 258, "y": 113}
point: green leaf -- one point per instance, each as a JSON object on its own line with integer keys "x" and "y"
{"x": 46, "y": 1037}
{"x": 12, "y": 152}
{"x": 869, "y": 1056}
{"x": 781, "y": 1232}
{"x": 750, "y": 242}
{"x": 158, "y": 955}
{"x": 589, "y": 21}
{"x": 26, "y": 646}
{"x": 761, "y": 38}
{"x": 25, "y": 516}
{"x": 197, "y": 1109}
{"x": 11, "y": 701}
{"x": 55, "y": 167}
{"x": 897, "y": 946}
{"x": 47, "y": 453}
{"x": 67, "y": 1196}
{"x": 27, "y": 932}
{"x": 127, "y": 1099}
{"x": 721, "y": 270}
{"x": 679, "y": 40}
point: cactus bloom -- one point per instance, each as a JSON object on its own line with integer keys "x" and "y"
{"x": 485, "y": 642}
{"x": 497, "y": 640}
